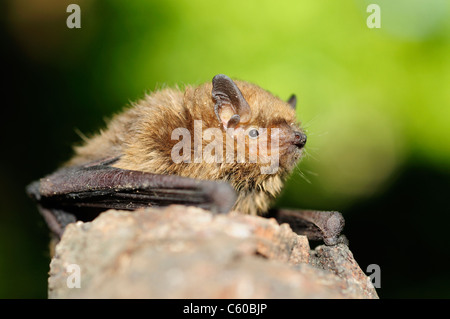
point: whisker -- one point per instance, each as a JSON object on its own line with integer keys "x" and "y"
{"x": 298, "y": 173}
{"x": 304, "y": 177}
{"x": 311, "y": 172}
{"x": 309, "y": 155}
{"x": 81, "y": 135}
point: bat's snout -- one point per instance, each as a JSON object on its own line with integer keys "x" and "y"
{"x": 299, "y": 139}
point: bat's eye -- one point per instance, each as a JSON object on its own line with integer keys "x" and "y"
{"x": 253, "y": 133}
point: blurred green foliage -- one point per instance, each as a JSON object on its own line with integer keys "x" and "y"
{"x": 375, "y": 102}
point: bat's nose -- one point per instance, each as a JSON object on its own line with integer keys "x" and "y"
{"x": 299, "y": 139}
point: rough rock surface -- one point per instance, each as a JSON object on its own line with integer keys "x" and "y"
{"x": 186, "y": 252}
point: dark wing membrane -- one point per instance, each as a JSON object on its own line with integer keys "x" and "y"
{"x": 83, "y": 192}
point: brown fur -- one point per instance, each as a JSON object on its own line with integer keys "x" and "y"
{"x": 141, "y": 136}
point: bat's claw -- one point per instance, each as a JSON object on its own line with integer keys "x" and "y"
{"x": 222, "y": 196}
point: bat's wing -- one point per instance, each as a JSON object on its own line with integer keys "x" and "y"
{"x": 82, "y": 192}
{"x": 316, "y": 225}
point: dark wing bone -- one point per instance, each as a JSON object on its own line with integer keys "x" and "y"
{"x": 316, "y": 225}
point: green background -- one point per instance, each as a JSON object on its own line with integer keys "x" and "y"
{"x": 375, "y": 104}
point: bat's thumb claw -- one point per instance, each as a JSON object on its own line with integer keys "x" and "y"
{"x": 223, "y": 197}
{"x": 32, "y": 190}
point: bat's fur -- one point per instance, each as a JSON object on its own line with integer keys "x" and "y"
{"x": 141, "y": 136}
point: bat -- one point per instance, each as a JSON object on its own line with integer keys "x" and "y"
{"x": 224, "y": 145}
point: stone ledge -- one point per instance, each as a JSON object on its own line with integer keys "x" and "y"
{"x": 187, "y": 252}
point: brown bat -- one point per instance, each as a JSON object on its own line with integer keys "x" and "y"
{"x": 195, "y": 147}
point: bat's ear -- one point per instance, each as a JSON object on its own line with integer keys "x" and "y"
{"x": 293, "y": 101}
{"x": 231, "y": 108}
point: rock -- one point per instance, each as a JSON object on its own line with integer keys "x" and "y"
{"x": 187, "y": 252}
{"x": 339, "y": 260}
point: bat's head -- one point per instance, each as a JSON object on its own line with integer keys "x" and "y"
{"x": 266, "y": 125}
